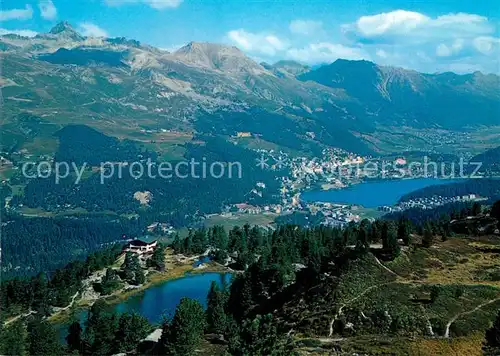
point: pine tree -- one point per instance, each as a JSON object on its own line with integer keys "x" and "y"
{"x": 428, "y": 236}
{"x": 13, "y": 340}
{"x": 74, "y": 337}
{"x": 495, "y": 211}
{"x": 132, "y": 328}
{"x": 240, "y": 296}
{"x": 177, "y": 244}
{"x": 220, "y": 238}
{"x": 41, "y": 294}
{"x": 476, "y": 209}
{"x": 404, "y": 230}
{"x": 100, "y": 330}
{"x": 216, "y": 316}
{"x": 389, "y": 239}
{"x": 132, "y": 270}
{"x": 157, "y": 260}
{"x": 139, "y": 277}
{"x": 184, "y": 333}
{"x": 109, "y": 282}
{"x": 188, "y": 243}
{"x": 258, "y": 337}
{"x": 43, "y": 338}
{"x": 362, "y": 241}
{"x": 375, "y": 234}
{"x": 491, "y": 346}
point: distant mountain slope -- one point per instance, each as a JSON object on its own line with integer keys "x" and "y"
{"x": 396, "y": 95}
{"x": 489, "y": 188}
{"x": 287, "y": 68}
{"x": 490, "y": 160}
{"x": 218, "y": 57}
{"x": 119, "y": 86}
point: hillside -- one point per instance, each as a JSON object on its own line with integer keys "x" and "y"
{"x": 396, "y": 95}
{"x": 490, "y": 161}
{"x": 121, "y": 86}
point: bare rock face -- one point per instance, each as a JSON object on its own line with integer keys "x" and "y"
{"x": 143, "y": 197}
{"x": 214, "y": 56}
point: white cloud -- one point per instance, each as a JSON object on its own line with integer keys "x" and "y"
{"x": 265, "y": 44}
{"x": 413, "y": 40}
{"x": 155, "y": 4}
{"x": 415, "y": 26}
{"x": 326, "y": 52}
{"x": 17, "y": 14}
{"x": 89, "y": 29}
{"x": 443, "y": 50}
{"x": 305, "y": 27}
{"x": 381, "y": 53}
{"x": 399, "y": 21}
{"x": 24, "y": 33}
{"x": 487, "y": 45}
{"x": 427, "y": 43}
{"x": 47, "y": 9}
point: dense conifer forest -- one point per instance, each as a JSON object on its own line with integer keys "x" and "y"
{"x": 258, "y": 312}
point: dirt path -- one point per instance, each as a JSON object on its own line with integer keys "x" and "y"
{"x": 367, "y": 290}
{"x": 387, "y": 268}
{"x": 19, "y": 316}
{"x": 70, "y": 304}
{"x": 447, "y": 330}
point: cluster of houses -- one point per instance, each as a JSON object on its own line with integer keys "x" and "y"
{"x": 431, "y": 202}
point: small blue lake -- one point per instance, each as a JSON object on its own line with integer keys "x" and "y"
{"x": 373, "y": 194}
{"x": 160, "y": 301}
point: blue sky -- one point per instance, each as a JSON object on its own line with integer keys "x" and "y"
{"x": 431, "y": 36}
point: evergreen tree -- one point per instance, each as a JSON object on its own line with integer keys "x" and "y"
{"x": 184, "y": 333}
{"x": 404, "y": 230}
{"x": 362, "y": 241}
{"x": 216, "y": 316}
{"x": 389, "y": 239}
{"x": 101, "y": 327}
{"x": 258, "y": 337}
{"x": 375, "y": 233}
{"x": 495, "y": 211}
{"x": 43, "y": 338}
{"x": 13, "y": 339}
{"x": 41, "y": 294}
{"x": 132, "y": 270}
{"x": 428, "y": 236}
{"x": 220, "y": 238}
{"x": 219, "y": 256}
{"x": 491, "y": 346}
{"x": 157, "y": 260}
{"x": 188, "y": 243}
{"x": 476, "y": 209}
{"x": 240, "y": 296}
{"x": 132, "y": 328}
{"x": 109, "y": 282}
{"x": 139, "y": 277}
{"x": 74, "y": 338}
{"x": 177, "y": 244}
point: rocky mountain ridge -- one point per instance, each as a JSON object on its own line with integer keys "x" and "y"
{"x": 202, "y": 87}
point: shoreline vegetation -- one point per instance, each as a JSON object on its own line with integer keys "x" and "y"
{"x": 174, "y": 270}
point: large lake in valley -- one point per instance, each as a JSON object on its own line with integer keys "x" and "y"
{"x": 373, "y": 194}
{"x": 160, "y": 300}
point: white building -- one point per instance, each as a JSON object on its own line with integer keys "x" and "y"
{"x": 140, "y": 247}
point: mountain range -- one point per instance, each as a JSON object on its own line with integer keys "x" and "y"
{"x": 121, "y": 86}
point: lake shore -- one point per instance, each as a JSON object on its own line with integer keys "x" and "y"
{"x": 372, "y": 193}
{"x": 175, "y": 270}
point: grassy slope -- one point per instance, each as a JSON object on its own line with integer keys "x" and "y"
{"x": 461, "y": 270}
